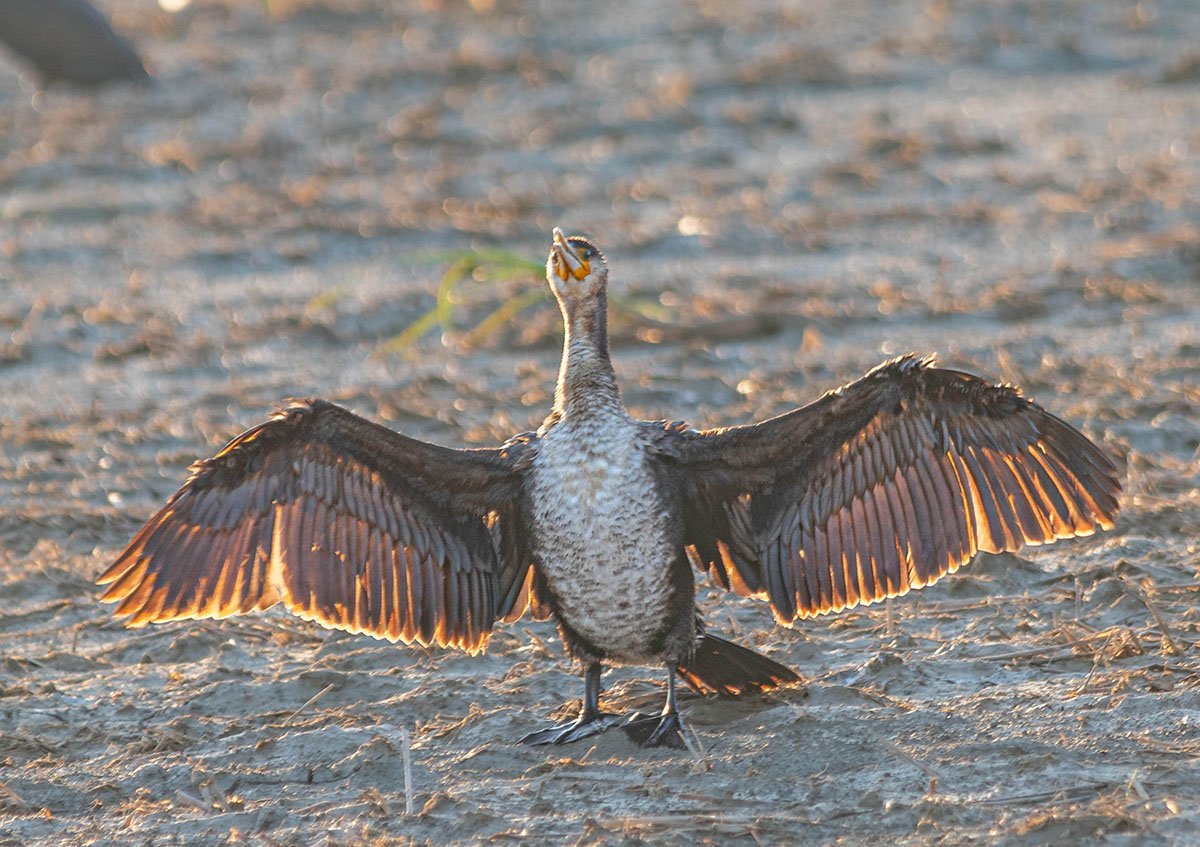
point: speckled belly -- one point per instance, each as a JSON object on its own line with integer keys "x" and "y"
{"x": 601, "y": 541}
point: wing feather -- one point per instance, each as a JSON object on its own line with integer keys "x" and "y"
{"x": 925, "y": 519}
{"x": 346, "y": 523}
{"x": 886, "y": 485}
{"x": 886, "y": 559}
{"x": 816, "y": 564}
{"x": 865, "y": 539}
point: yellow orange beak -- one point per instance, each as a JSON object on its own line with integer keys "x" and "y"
{"x": 567, "y": 262}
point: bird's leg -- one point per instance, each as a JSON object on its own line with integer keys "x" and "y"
{"x": 665, "y": 729}
{"x": 591, "y": 720}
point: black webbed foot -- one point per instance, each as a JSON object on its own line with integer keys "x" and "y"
{"x": 665, "y": 729}
{"x": 591, "y": 720}
{"x": 565, "y": 733}
{"x": 662, "y": 730}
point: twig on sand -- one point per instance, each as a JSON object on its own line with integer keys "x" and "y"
{"x": 406, "y": 751}
{"x": 587, "y": 777}
{"x": 881, "y": 698}
{"x": 685, "y": 821}
{"x": 185, "y": 799}
{"x": 1097, "y": 660}
{"x": 928, "y": 608}
{"x": 1074, "y": 791}
{"x": 692, "y": 742}
{"x": 1045, "y": 650}
{"x": 719, "y": 802}
{"x": 721, "y": 823}
{"x": 1136, "y": 591}
{"x": 933, "y": 775}
{"x": 311, "y": 700}
{"x": 1135, "y": 785}
{"x": 1191, "y": 749}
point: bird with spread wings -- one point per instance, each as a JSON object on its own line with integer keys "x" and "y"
{"x": 879, "y": 487}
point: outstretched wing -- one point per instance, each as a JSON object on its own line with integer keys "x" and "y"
{"x": 343, "y": 521}
{"x": 883, "y": 486}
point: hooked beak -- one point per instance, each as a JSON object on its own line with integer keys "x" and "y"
{"x": 567, "y": 262}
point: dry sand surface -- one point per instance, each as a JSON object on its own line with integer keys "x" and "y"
{"x": 788, "y": 193}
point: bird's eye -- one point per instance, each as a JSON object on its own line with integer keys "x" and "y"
{"x": 586, "y": 251}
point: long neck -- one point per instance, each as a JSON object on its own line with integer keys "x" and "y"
{"x": 586, "y": 382}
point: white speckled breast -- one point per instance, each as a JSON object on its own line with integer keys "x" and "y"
{"x": 600, "y": 533}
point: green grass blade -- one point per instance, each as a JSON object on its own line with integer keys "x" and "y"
{"x": 493, "y": 266}
{"x": 444, "y": 310}
{"x": 403, "y": 342}
{"x": 503, "y": 315}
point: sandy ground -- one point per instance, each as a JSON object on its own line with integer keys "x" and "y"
{"x": 801, "y": 190}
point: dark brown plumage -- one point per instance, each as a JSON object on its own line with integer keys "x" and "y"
{"x": 881, "y": 486}
{"x": 346, "y": 523}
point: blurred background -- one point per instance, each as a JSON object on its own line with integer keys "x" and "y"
{"x": 303, "y": 172}
{"x": 352, "y": 199}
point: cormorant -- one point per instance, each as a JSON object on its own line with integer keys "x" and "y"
{"x": 596, "y": 519}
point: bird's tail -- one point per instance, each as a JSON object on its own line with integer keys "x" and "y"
{"x": 722, "y": 667}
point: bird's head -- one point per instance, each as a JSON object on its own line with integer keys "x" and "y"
{"x": 575, "y": 269}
